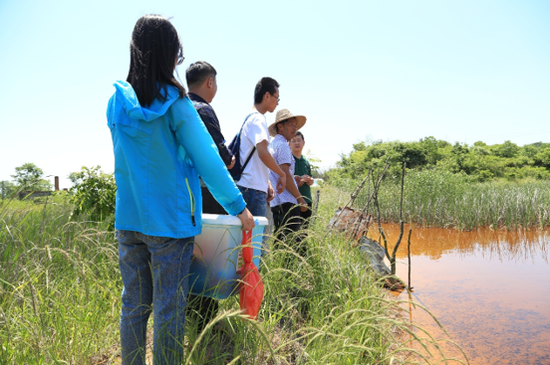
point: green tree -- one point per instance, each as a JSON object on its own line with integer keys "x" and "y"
{"x": 542, "y": 158}
{"x": 431, "y": 147}
{"x": 314, "y": 162}
{"x": 480, "y": 161}
{"x": 94, "y": 193}
{"x": 506, "y": 150}
{"x": 7, "y": 189}
{"x": 30, "y": 177}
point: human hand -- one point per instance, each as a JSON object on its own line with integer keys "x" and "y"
{"x": 299, "y": 181}
{"x": 303, "y": 205}
{"x": 281, "y": 184}
{"x": 247, "y": 220}
{"x": 307, "y": 179}
{"x": 270, "y": 193}
{"x": 232, "y": 163}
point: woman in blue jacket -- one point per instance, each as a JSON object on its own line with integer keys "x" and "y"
{"x": 160, "y": 146}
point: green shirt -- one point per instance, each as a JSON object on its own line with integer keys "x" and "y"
{"x": 303, "y": 168}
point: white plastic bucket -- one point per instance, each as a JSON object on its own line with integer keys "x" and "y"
{"x": 216, "y": 256}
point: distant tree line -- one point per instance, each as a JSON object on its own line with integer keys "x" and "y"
{"x": 92, "y": 194}
{"x": 27, "y": 177}
{"x": 480, "y": 161}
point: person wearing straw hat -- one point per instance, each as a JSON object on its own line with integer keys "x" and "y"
{"x": 284, "y": 206}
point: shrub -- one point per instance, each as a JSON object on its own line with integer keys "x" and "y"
{"x": 93, "y": 194}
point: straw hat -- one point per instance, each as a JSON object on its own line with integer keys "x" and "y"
{"x": 282, "y": 115}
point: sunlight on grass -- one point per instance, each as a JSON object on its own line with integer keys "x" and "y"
{"x": 60, "y": 299}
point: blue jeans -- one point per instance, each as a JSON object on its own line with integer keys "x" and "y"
{"x": 155, "y": 273}
{"x": 256, "y": 201}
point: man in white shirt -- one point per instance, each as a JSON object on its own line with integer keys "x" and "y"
{"x": 254, "y": 182}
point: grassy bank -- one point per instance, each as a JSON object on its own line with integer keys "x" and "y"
{"x": 443, "y": 199}
{"x": 59, "y": 287}
{"x": 60, "y": 299}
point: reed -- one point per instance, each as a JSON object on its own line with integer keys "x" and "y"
{"x": 60, "y": 299}
{"x": 59, "y": 289}
{"x": 444, "y": 199}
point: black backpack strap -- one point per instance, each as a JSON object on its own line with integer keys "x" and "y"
{"x": 253, "y": 149}
{"x": 248, "y": 159}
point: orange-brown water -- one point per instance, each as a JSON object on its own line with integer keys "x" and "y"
{"x": 489, "y": 289}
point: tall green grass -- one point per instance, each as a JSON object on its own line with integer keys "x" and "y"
{"x": 444, "y": 199}
{"x": 59, "y": 285}
{"x": 60, "y": 289}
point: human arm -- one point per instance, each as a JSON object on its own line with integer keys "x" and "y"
{"x": 298, "y": 180}
{"x": 247, "y": 220}
{"x": 307, "y": 179}
{"x": 269, "y": 161}
{"x": 210, "y": 120}
{"x": 292, "y": 188}
{"x": 270, "y": 192}
{"x": 230, "y": 166}
{"x": 198, "y": 146}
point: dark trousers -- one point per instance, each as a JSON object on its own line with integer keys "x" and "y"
{"x": 209, "y": 204}
{"x": 203, "y": 309}
{"x": 287, "y": 221}
{"x": 306, "y": 217}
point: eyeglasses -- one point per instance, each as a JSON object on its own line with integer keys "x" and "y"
{"x": 180, "y": 57}
{"x": 278, "y": 99}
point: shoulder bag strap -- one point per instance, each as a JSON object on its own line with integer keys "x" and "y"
{"x": 253, "y": 149}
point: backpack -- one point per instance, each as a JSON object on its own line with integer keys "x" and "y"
{"x": 235, "y": 148}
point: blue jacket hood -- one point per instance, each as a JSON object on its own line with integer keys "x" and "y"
{"x": 127, "y": 99}
{"x": 158, "y": 185}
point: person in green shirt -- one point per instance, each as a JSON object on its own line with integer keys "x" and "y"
{"x": 302, "y": 174}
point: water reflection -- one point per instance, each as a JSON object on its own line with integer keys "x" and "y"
{"x": 516, "y": 246}
{"x": 490, "y": 290}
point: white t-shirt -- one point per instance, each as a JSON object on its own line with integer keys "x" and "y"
{"x": 256, "y": 174}
{"x": 280, "y": 150}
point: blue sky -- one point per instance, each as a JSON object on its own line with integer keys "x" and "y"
{"x": 457, "y": 70}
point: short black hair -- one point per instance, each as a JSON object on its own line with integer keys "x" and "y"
{"x": 265, "y": 85}
{"x": 199, "y": 72}
{"x": 298, "y": 133}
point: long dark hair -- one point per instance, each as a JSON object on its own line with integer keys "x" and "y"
{"x": 154, "y": 49}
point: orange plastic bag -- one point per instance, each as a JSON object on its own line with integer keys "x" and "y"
{"x": 251, "y": 287}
